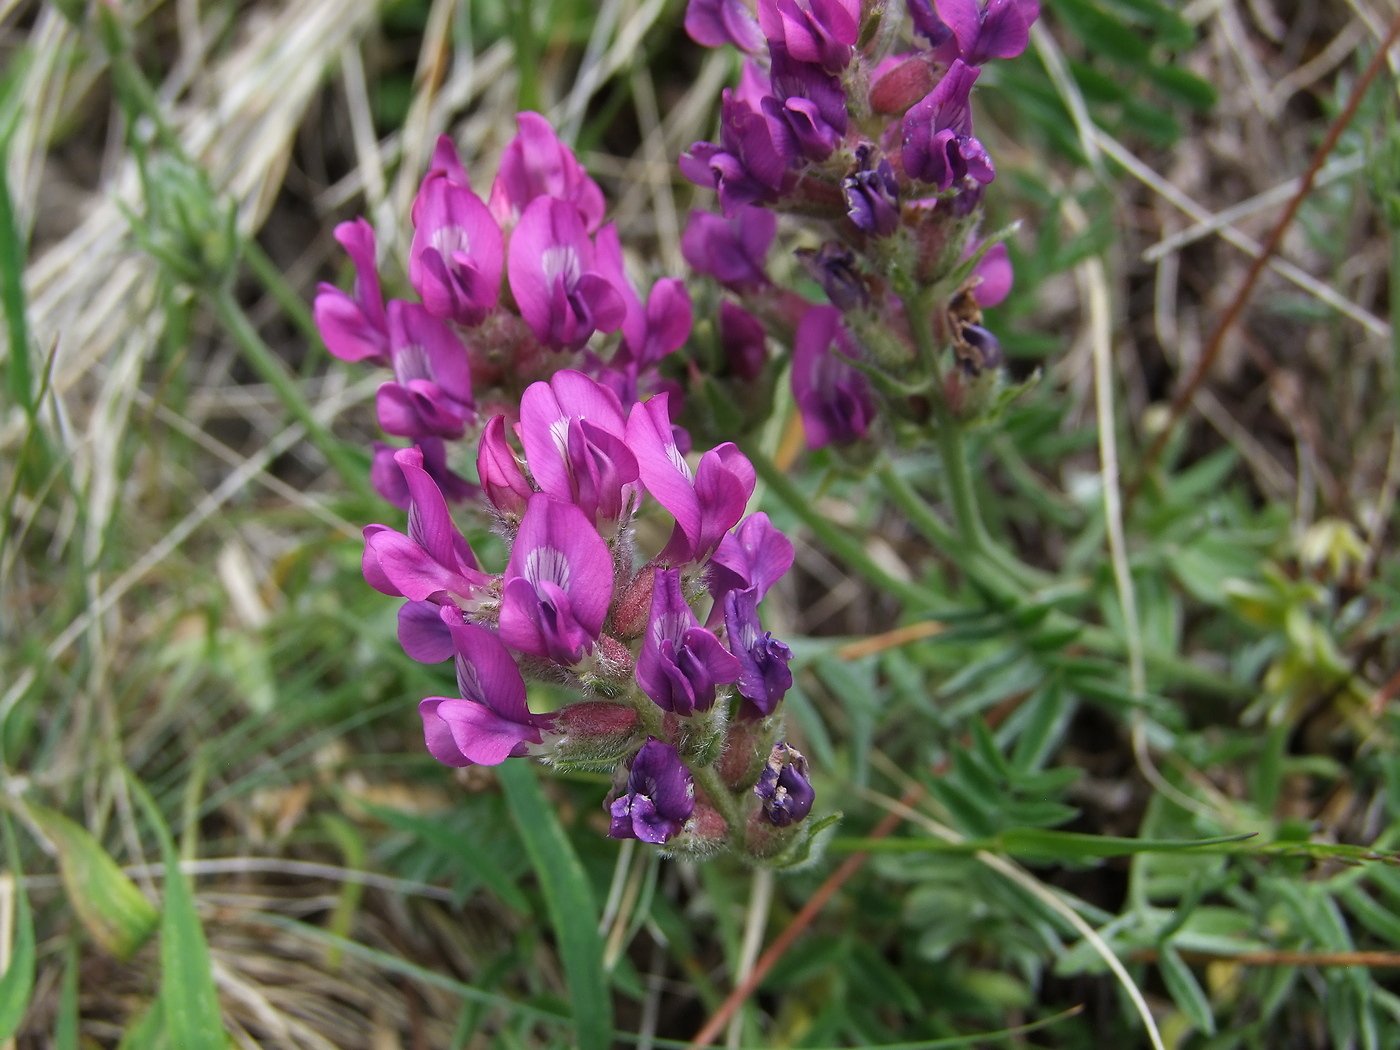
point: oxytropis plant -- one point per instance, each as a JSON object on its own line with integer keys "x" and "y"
{"x": 673, "y": 683}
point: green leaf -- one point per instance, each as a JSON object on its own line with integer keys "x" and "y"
{"x": 573, "y": 911}
{"x": 193, "y": 1020}
{"x": 116, "y": 913}
{"x": 1181, "y": 85}
{"x": 66, "y": 1024}
{"x": 1185, "y": 990}
{"x": 18, "y": 983}
{"x": 147, "y": 1031}
{"x": 1102, "y": 33}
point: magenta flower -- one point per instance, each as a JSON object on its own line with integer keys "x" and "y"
{"x": 733, "y": 251}
{"x": 455, "y": 261}
{"x": 433, "y": 562}
{"x": 386, "y": 475}
{"x": 807, "y": 110}
{"x": 491, "y": 722}
{"x": 939, "y": 147}
{"x": 422, "y": 634}
{"x": 833, "y": 397}
{"x": 558, "y": 584}
{"x": 714, "y": 23}
{"x": 748, "y": 166}
{"x": 993, "y": 274}
{"x": 705, "y": 505}
{"x": 660, "y": 796}
{"x": 562, "y": 297}
{"x": 681, "y": 663}
{"x": 764, "y": 676}
{"x": 354, "y": 326}
{"x": 755, "y": 555}
{"x": 652, "y": 331}
{"x": 783, "y": 787}
{"x": 967, "y": 30}
{"x": 536, "y": 164}
{"x": 447, "y": 161}
{"x": 818, "y": 31}
{"x": 502, "y": 479}
{"x": 743, "y": 340}
{"x": 574, "y": 435}
{"x": 432, "y": 392}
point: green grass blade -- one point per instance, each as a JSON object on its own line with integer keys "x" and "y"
{"x": 65, "y": 1025}
{"x": 147, "y": 1031}
{"x": 192, "y": 1016}
{"x": 573, "y": 911}
{"x": 18, "y": 983}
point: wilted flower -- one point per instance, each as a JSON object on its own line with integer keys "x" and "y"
{"x": 783, "y": 787}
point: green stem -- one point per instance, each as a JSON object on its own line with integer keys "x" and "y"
{"x": 838, "y": 540}
{"x": 273, "y": 371}
{"x": 266, "y": 271}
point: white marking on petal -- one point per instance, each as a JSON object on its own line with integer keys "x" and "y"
{"x": 449, "y": 239}
{"x": 674, "y": 455}
{"x": 411, "y": 362}
{"x": 560, "y": 259}
{"x": 469, "y": 681}
{"x": 547, "y": 563}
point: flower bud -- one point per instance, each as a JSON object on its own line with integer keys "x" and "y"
{"x": 593, "y": 734}
{"x": 633, "y": 609}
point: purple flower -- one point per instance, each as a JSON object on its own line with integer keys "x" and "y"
{"x": 732, "y": 251}
{"x": 457, "y": 252}
{"x": 833, "y": 397}
{"x": 433, "y": 561}
{"x": 747, "y": 167}
{"x": 872, "y": 194}
{"x": 447, "y": 161}
{"x": 705, "y": 505}
{"x": 388, "y": 480}
{"x": 986, "y": 345}
{"x": 783, "y": 787}
{"x": 660, "y": 796}
{"x": 681, "y": 663}
{"x": 558, "y": 584}
{"x": 432, "y": 392}
{"x": 561, "y": 296}
{"x": 501, "y": 477}
{"x": 938, "y": 143}
{"x": 354, "y": 326}
{"x": 743, "y": 340}
{"x": 574, "y": 435}
{"x": 992, "y": 273}
{"x": 764, "y": 678}
{"x": 833, "y": 266}
{"x": 965, "y": 29}
{"x": 714, "y": 23}
{"x": 818, "y": 31}
{"x": 649, "y": 332}
{"x": 807, "y": 110}
{"x": 491, "y": 722}
{"x": 536, "y": 164}
{"x": 755, "y": 555}
{"x": 423, "y": 634}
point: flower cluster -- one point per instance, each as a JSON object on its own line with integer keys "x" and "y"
{"x": 674, "y": 683}
{"x": 835, "y": 121}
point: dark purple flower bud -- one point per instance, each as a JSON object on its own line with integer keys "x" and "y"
{"x": 660, "y": 796}
{"x": 681, "y": 663}
{"x": 818, "y": 31}
{"x": 387, "y": 476}
{"x": 705, "y": 505}
{"x": 433, "y": 561}
{"x": 457, "y": 252}
{"x": 833, "y": 397}
{"x": 733, "y": 251}
{"x": 432, "y": 392}
{"x": 558, "y": 584}
{"x": 491, "y": 722}
{"x": 574, "y": 435}
{"x": 764, "y": 678}
{"x": 536, "y": 164}
{"x": 967, "y": 198}
{"x": 833, "y": 266}
{"x": 755, "y": 555}
{"x": 747, "y": 167}
{"x": 807, "y": 108}
{"x": 783, "y": 787}
{"x": 562, "y": 297}
{"x": 743, "y": 340}
{"x": 939, "y": 147}
{"x": 872, "y": 194}
{"x": 502, "y": 479}
{"x": 967, "y": 30}
{"x": 986, "y": 347}
{"x": 661, "y": 326}
{"x": 354, "y": 326}
{"x": 714, "y": 23}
